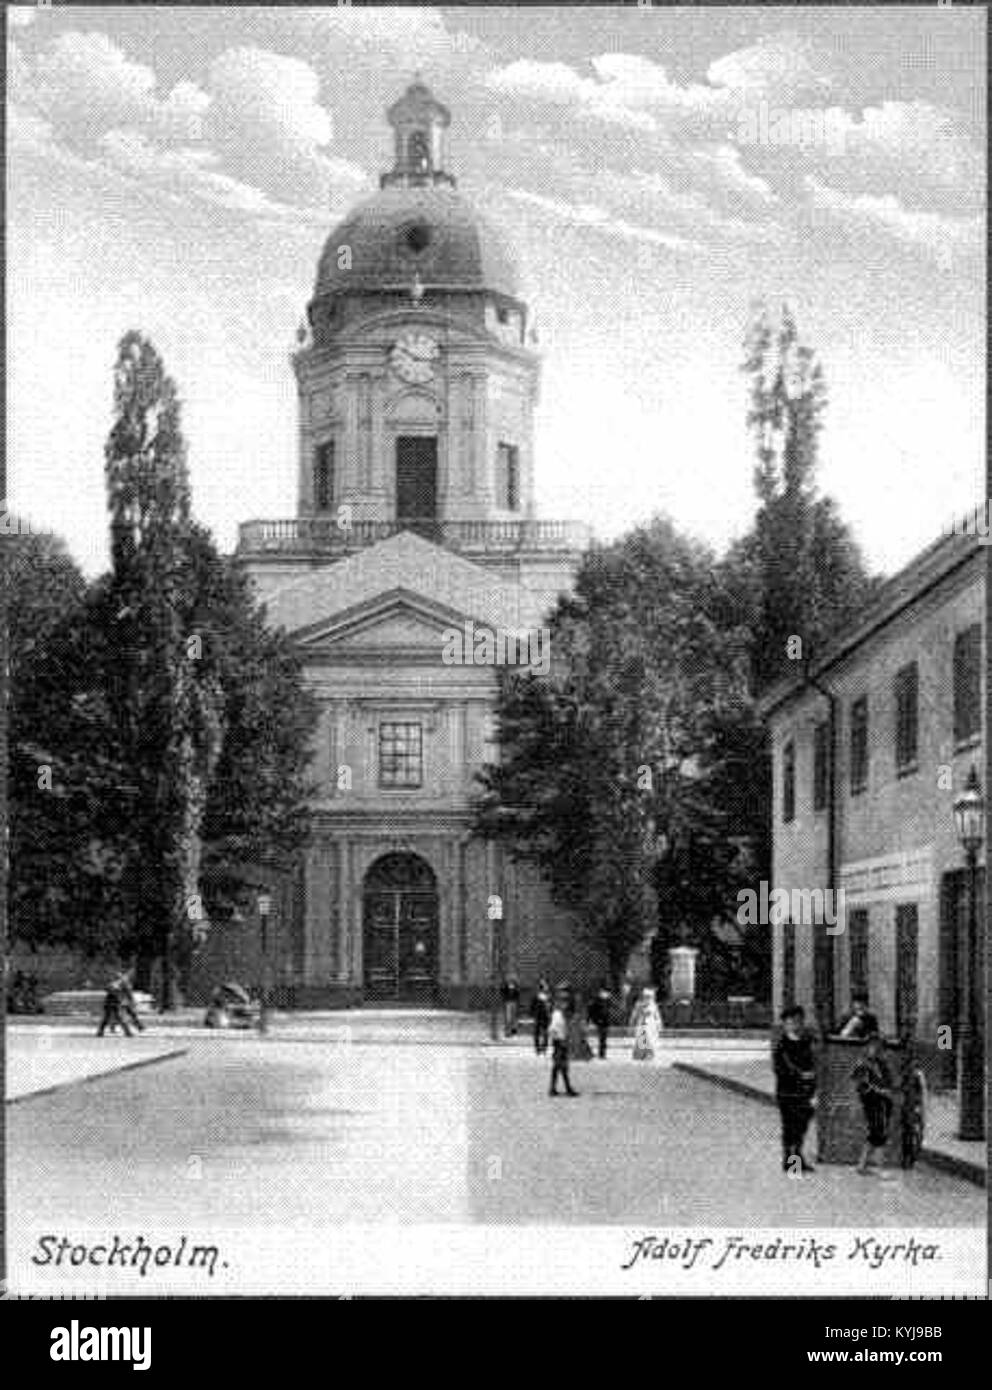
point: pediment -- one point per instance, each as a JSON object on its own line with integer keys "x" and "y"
{"x": 405, "y": 570}
{"x": 393, "y": 623}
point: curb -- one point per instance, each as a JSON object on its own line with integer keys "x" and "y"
{"x": 933, "y": 1158}
{"x": 99, "y": 1076}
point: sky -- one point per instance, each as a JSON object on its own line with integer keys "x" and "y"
{"x": 656, "y": 172}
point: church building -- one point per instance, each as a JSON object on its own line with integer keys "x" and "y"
{"x": 417, "y": 379}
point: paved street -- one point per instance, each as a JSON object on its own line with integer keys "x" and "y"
{"x": 302, "y": 1132}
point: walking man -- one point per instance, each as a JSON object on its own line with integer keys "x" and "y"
{"x": 558, "y": 1033}
{"x": 511, "y": 1005}
{"x": 795, "y": 1085}
{"x": 129, "y": 1008}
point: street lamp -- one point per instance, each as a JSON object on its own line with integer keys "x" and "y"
{"x": 264, "y": 904}
{"x": 969, "y": 818}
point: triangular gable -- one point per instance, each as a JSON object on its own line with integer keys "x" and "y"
{"x": 429, "y": 575}
{"x": 398, "y": 619}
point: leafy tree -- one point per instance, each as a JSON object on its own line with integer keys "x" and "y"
{"x": 70, "y": 798}
{"x": 607, "y": 761}
{"x": 798, "y": 573}
{"x": 168, "y": 709}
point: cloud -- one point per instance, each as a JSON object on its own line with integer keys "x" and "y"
{"x": 20, "y": 16}
{"x": 86, "y": 84}
{"x": 599, "y": 219}
{"x": 782, "y": 67}
{"x": 940, "y": 236}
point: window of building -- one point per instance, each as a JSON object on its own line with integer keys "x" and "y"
{"x": 907, "y": 960}
{"x": 401, "y": 755}
{"x": 323, "y": 477}
{"x": 907, "y": 717}
{"x": 968, "y": 684}
{"x": 419, "y": 152}
{"x": 508, "y": 477}
{"x": 788, "y": 964}
{"x": 789, "y": 781}
{"x": 821, "y": 766}
{"x": 857, "y": 948}
{"x": 859, "y": 745}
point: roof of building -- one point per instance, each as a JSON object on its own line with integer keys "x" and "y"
{"x": 402, "y": 232}
{"x": 941, "y": 558}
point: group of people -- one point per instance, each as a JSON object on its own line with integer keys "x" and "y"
{"x": 119, "y": 1007}
{"x": 559, "y": 1021}
{"x": 794, "y": 1061}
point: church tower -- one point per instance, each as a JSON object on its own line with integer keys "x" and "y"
{"x": 417, "y": 376}
{"x": 417, "y": 379}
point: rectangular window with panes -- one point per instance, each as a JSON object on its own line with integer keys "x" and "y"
{"x": 857, "y": 948}
{"x": 789, "y": 781}
{"x": 323, "y": 477}
{"x": 968, "y": 684}
{"x": 821, "y": 766}
{"x": 508, "y": 477}
{"x": 401, "y": 755}
{"x": 907, "y": 717}
{"x": 859, "y": 745}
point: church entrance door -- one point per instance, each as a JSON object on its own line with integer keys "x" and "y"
{"x": 416, "y": 483}
{"x": 400, "y": 932}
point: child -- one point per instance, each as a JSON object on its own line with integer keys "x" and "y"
{"x": 795, "y": 1086}
{"x": 558, "y": 1032}
{"x": 874, "y": 1082}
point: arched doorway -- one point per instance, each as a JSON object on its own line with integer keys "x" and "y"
{"x": 400, "y": 949}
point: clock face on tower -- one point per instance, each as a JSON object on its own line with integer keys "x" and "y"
{"x": 413, "y": 356}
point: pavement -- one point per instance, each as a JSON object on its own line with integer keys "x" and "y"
{"x": 941, "y": 1149}
{"x": 329, "y": 1119}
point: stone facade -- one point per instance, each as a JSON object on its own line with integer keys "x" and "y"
{"x": 417, "y": 380}
{"x": 896, "y": 852}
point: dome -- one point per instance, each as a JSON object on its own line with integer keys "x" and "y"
{"x": 429, "y": 231}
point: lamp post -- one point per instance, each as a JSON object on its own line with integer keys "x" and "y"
{"x": 264, "y": 903}
{"x": 969, "y": 818}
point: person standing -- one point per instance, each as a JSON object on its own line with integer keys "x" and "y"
{"x": 599, "y": 1017}
{"x": 511, "y": 1005}
{"x": 541, "y": 1014}
{"x": 558, "y": 1033}
{"x": 647, "y": 1025}
{"x": 874, "y": 1082}
{"x": 112, "y": 1014}
{"x": 795, "y": 1086}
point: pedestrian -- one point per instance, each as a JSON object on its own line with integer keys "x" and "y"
{"x": 129, "y": 1008}
{"x": 599, "y": 1017}
{"x": 541, "y": 1013}
{"x": 626, "y": 998}
{"x": 647, "y": 1025}
{"x": 795, "y": 1086}
{"x": 859, "y": 1022}
{"x": 559, "y": 1035}
{"x": 874, "y": 1082}
{"x": 510, "y": 992}
{"x": 112, "y": 1014}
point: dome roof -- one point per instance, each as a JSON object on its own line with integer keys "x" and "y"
{"x": 429, "y": 231}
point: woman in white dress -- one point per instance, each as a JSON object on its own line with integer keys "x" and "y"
{"x": 647, "y": 1026}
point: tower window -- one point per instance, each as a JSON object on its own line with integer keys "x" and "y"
{"x": 418, "y": 237}
{"x": 508, "y": 477}
{"x": 789, "y": 781}
{"x": 418, "y": 153}
{"x": 323, "y": 477}
{"x": 401, "y": 755}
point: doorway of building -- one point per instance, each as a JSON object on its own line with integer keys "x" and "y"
{"x": 416, "y": 483}
{"x": 400, "y": 931}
